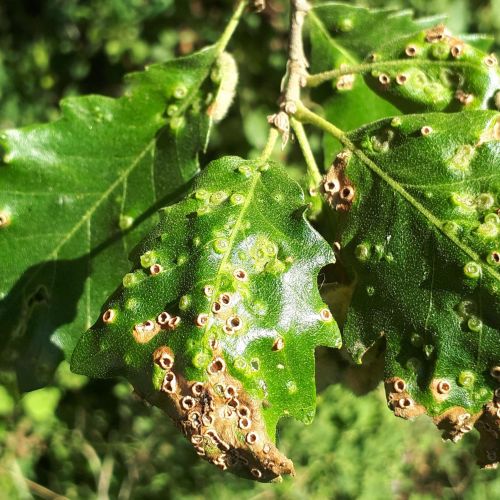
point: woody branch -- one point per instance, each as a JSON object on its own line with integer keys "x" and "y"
{"x": 296, "y": 71}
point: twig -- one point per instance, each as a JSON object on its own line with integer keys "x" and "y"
{"x": 27, "y": 485}
{"x": 259, "y": 5}
{"x": 231, "y": 26}
{"x": 296, "y": 71}
{"x": 43, "y": 492}
{"x": 297, "y": 62}
{"x": 105, "y": 478}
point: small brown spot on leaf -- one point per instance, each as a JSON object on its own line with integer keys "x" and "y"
{"x": 278, "y": 344}
{"x": 164, "y": 357}
{"x": 399, "y": 385}
{"x": 495, "y": 372}
{"x": 5, "y": 219}
{"x": 169, "y": 383}
{"x": 491, "y": 60}
{"x": 109, "y": 316}
{"x": 216, "y": 366}
{"x": 240, "y": 274}
{"x": 401, "y": 79}
{"x": 163, "y": 319}
{"x": 225, "y": 299}
{"x": 326, "y": 315}
{"x": 456, "y": 50}
{"x": 234, "y": 322}
{"x": 384, "y": 79}
{"x": 197, "y": 389}
{"x": 174, "y": 322}
{"x": 252, "y": 438}
{"x": 411, "y": 50}
{"x": 155, "y": 269}
{"x": 201, "y": 320}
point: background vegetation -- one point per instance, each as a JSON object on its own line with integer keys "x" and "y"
{"x": 93, "y": 439}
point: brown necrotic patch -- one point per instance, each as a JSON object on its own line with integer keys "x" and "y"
{"x": 144, "y": 332}
{"x": 223, "y": 423}
{"x": 164, "y": 357}
{"x": 336, "y": 187}
{"x": 488, "y": 425}
{"x": 454, "y": 423}
{"x": 163, "y": 319}
{"x": 437, "y": 33}
{"x": 440, "y": 389}
{"x": 400, "y": 400}
{"x": 457, "y": 421}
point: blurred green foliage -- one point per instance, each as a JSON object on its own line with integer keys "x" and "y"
{"x": 93, "y": 439}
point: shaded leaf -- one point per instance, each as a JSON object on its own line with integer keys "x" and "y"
{"x": 225, "y": 289}
{"x": 418, "y": 224}
{"x": 78, "y": 193}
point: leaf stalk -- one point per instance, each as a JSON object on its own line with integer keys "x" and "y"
{"x": 231, "y": 27}
{"x": 312, "y": 167}
{"x": 272, "y": 137}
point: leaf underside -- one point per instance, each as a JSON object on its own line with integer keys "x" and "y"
{"x": 98, "y": 176}
{"x": 422, "y": 237}
{"x": 218, "y": 321}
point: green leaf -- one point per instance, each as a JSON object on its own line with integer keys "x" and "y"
{"x": 234, "y": 266}
{"x": 342, "y": 35}
{"x": 417, "y": 201}
{"x": 349, "y": 109}
{"x": 354, "y": 31}
{"x": 479, "y": 41}
{"x": 434, "y": 71}
{"x": 77, "y": 194}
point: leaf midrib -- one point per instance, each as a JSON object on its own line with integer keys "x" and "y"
{"x": 308, "y": 116}
{"x": 236, "y": 229}
{"x": 418, "y": 206}
{"x": 102, "y": 198}
{"x": 367, "y": 67}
